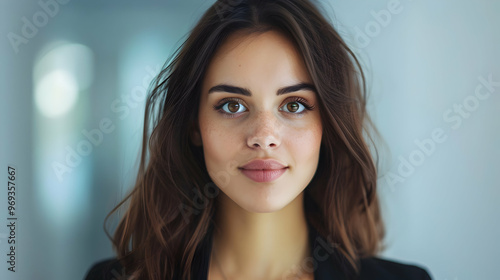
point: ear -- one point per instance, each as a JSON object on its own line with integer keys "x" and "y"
{"x": 195, "y": 135}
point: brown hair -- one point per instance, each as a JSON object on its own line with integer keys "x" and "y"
{"x": 168, "y": 215}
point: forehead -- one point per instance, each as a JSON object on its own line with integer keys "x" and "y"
{"x": 268, "y": 58}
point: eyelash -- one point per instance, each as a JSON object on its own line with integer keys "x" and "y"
{"x": 300, "y": 100}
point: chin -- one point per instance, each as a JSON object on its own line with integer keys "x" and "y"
{"x": 267, "y": 209}
{"x": 262, "y": 206}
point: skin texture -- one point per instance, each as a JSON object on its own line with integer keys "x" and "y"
{"x": 262, "y": 231}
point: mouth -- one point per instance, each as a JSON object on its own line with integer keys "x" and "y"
{"x": 263, "y": 175}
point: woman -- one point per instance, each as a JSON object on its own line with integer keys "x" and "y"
{"x": 256, "y": 166}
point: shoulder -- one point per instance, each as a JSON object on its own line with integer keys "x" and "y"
{"x": 374, "y": 268}
{"x": 107, "y": 269}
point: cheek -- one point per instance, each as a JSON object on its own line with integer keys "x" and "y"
{"x": 306, "y": 142}
{"x": 219, "y": 143}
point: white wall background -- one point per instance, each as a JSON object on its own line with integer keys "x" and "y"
{"x": 422, "y": 63}
{"x": 425, "y": 62}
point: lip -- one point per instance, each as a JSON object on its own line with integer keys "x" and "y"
{"x": 263, "y": 170}
{"x": 263, "y": 164}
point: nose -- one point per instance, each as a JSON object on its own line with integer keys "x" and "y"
{"x": 264, "y": 132}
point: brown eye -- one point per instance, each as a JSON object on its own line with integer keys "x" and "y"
{"x": 292, "y": 107}
{"x": 233, "y": 107}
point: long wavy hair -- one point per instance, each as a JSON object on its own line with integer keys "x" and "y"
{"x": 167, "y": 216}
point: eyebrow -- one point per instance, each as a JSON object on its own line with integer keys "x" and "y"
{"x": 246, "y": 92}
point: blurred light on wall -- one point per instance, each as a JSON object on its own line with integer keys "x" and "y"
{"x": 62, "y": 76}
{"x": 59, "y": 75}
{"x": 56, "y": 93}
{"x": 140, "y": 61}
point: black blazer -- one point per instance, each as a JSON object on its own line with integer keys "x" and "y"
{"x": 328, "y": 265}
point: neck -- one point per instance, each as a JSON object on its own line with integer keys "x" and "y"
{"x": 260, "y": 245}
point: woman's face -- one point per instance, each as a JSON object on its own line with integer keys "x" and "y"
{"x": 252, "y": 117}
